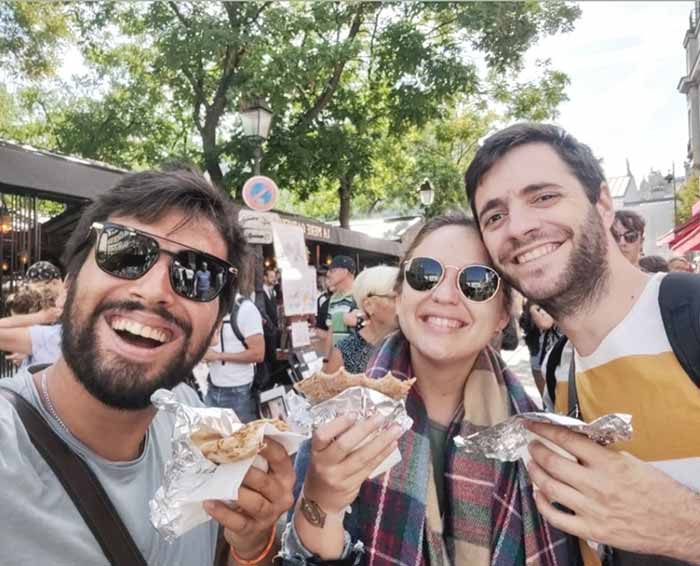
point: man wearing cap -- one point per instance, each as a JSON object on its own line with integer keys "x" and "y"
{"x": 340, "y": 277}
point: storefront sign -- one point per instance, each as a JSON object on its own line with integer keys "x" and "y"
{"x": 316, "y": 231}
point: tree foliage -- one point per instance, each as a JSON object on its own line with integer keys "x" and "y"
{"x": 368, "y": 97}
{"x": 686, "y": 197}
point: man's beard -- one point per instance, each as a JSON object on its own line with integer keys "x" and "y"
{"x": 585, "y": 276}
{"x": 116, "y": 382}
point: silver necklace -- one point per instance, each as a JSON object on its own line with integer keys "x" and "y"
{"x": 49, "y": 404}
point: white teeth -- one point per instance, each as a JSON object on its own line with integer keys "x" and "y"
{"x": 536, "y": 253}
{"x": 138, "y": 329}
{"x": 443, "y": 322}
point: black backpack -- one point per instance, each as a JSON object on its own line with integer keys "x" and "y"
{"x": 679, "y": 300}
{"x": 261, "y": 378}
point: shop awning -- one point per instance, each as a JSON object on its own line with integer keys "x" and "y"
{"x": 684, "y": 238}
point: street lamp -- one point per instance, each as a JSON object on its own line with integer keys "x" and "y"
{"x": 256, "y": 118}
{"x": 426, "y": 194}
{"x": 671, "y": 178}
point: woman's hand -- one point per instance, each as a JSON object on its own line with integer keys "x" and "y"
{"x": 344, "y": 452}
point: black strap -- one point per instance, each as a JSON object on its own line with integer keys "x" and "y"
{"x": 574, "y": 410}
{"x": 679, "y": 300}
{"x": 80, "y": 484}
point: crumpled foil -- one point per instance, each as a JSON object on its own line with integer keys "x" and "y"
{"x": 506, "y": 441}
{"x": 187, "y": 469}
{"x": 364, "y": 402}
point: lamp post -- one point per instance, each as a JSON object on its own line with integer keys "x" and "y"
{"x": 256, "y": 118}
{"x": 671, "y": 178}
{"x": 426, "y": 194}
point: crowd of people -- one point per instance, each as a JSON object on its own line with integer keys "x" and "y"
{"x": 607, "y": 332}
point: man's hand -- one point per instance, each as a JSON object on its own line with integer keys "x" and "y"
{"x": 211, "y": 356}
{"x": 340, "y": 462}
{"x": 616, "y": 498}
{"x": 262, "y": 498}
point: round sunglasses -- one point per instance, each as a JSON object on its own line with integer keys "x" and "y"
{"x": 128, "y": 253}
{"x": 478, "y": 283}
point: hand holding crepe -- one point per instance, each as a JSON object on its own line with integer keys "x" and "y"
{"x": 211, "y": 455}
{"x": 323, "y": 386}
{"x": 329, "y": 396}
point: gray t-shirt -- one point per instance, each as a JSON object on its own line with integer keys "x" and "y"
{"x": 40, "y": 524}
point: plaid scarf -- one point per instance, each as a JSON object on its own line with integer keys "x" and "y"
{"x": 490, "y": 517}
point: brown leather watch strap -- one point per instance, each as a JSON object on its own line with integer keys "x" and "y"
{"x": 80, "y": 484}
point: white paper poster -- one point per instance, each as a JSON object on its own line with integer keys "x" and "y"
{"x": 290, "y": 249}
{"x": 299, "y": 290}
{"x": 300, "y": 334}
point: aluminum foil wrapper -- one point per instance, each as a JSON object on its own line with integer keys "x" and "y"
{"x": 364, "y": 402}
{"x": 189, "y": 478}
{"x": 508, "y": 441}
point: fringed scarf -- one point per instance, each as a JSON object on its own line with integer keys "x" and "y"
{"x": 490, "y": 518}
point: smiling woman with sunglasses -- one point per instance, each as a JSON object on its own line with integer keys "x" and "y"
{"x": 438, "y": 505}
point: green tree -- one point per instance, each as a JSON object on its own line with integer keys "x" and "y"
{"x": 347, "y": 81}
{"x": 31, "y": 34}
{"x": 686, "y": 197}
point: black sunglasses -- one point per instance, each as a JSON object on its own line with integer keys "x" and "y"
{"x": 128, "y": 253}
{"x": 631, "y": 236}
{"x": 478, "y": 283}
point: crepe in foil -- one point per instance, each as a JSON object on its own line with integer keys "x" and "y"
{"x": 247, "y": 441}
{"x": 508, "y": 440}
{"x": 323, "y": 386}
{"x": 359, "y": 401}
{"x": 190, "y": 478}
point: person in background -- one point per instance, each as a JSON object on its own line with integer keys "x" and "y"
{"x": 232, "y": 361}
{"x": 628, "y": 231}
{"x": 340, "y": 278}
{"x": 540, "y": 335}
{"x": 34, "y": 337}
{"x": 270, "y": 319}
{"x": 679, "y": 263}
{"x": 653, "y": 264}
{"x": 373, "y": 292}
{"x": 438, "y": 505}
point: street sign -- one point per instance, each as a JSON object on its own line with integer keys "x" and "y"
{"x": 257, "y": 226}
{"x": 260, "y": 193}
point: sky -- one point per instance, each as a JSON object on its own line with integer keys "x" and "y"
{"x": 624, "y": 60}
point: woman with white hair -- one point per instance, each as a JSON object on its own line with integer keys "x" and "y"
{"x": 373, "y": 291}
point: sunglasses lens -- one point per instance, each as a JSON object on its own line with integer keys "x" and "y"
{"x": 423, "y": 273}
{"x": 198, "y": 277}
{"x": 631, "y": 237}
{"x": 125, "y": 254}
{"x": 478, "y": 283}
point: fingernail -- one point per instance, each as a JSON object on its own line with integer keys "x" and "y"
{"x": 208, "y": 506}
{"x": 396, "y": 431}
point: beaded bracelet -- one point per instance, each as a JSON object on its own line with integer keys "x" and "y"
{"x": 260, "y": 558}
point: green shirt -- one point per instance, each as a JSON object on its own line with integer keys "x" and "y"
{"x": 438, "y": 443}
{"x": 339, "y": 305}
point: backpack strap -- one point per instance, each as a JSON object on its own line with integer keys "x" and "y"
{"x": 81, "y": 484}
{"x": 679, "y": 300}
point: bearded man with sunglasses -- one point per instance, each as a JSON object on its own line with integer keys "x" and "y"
{"x": 545, "y": 212}
{"x": 131, "y": 326}
{"x": 628, "y": 231}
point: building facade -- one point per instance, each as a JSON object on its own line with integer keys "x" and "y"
{"x": 690, "y": 86}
